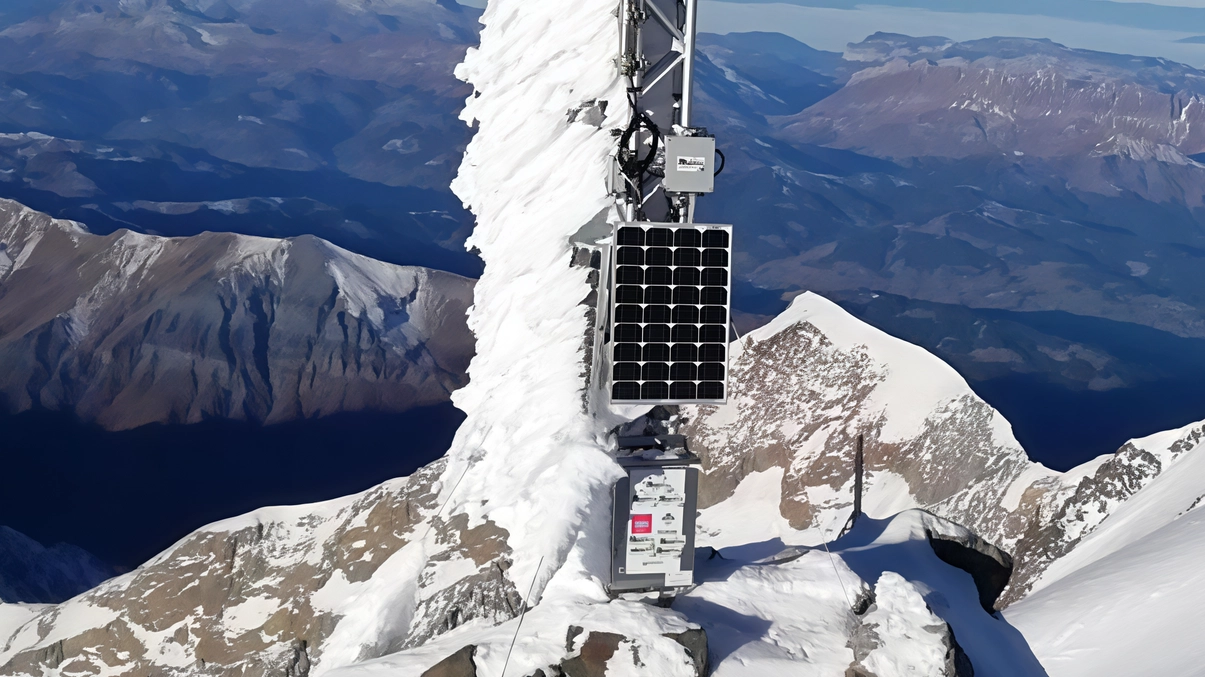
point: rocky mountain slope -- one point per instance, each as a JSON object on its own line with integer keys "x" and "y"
{"x": 33, "y": 573}
{"x": 807, "y": 384}
{"x": 128, "y": 329}
{"x": 1134, "y": 580}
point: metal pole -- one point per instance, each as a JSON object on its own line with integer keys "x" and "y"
{"x": 688, "y": 60}
{"x": 858, "y": 480}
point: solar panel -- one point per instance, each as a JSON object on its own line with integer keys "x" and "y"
{"x": 670, "y": 308}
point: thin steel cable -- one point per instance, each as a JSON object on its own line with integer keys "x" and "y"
{"x": 522, "y": 615}
{"x": 833, "y": 560}
{"x": 431, "y": 523}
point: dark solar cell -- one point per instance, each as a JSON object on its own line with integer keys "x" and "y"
{"x": 715, "y": 238}
{"x": 687, "y": 237}
{"x": 654, "y": 391}
{"x": 628, "y": 313}
{"x": 658, "y": 314}
{"x": 711, "y": 371}
{"x": 686, "y": 257}
{"x": 629, "y": 235}
{"x": 656, "y": 333}
{"x": 714, "y": 315}
{"x": 656, "y": 352}
{"x": 630, "y": 256}
{"x": 714, "y": 277}
{"x": 625, "y": 391}
{"x": 717, "y": 296}
{"x": 685, "y": 333}
{"x": 659, "y": 237}
{"x": 658, "y": 276}
{"x": 657, "y": 371}
{"x": 683, "y": 371}
{"x": 684, "y": 352}
{"x": 628, "y": 352}
{"x": 662, "y": 275}
{"x": 629, "y": 294}
{"x": 686, "y": 276}
{"x": 658, "y": 256}
{"x": 714, "y": 257}
{"x": 686, "y": 315}
{"x": 688, "y": 295}
{"x": 629, "y": 275}
{"x": 627, "y": 333}
{"x": 682, "y": 391}
{"x": 658, "y": 295}
{"x": 626, "y": 371}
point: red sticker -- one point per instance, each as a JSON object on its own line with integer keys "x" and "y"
{"x": 642, "y": 524}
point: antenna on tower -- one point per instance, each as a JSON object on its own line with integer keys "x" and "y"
{"x": 667, "y": 301}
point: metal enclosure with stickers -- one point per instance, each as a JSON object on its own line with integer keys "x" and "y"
{"x": 653, "y": 535}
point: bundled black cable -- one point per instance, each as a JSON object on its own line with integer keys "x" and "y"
{"x": 630, "y": 162}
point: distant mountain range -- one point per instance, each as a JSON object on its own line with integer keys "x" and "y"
{"x": 1029, "y": 212}
{"x": 35, "y": 574}
{"x": 947, "y": 192}
{"x": 262, "y": 117}
{"x": 130, "y": 329}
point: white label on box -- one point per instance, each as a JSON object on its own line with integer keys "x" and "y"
{"x": 678, "y": 578}
{"x": 691, "y": 163}
{"x": 656, "y": 536}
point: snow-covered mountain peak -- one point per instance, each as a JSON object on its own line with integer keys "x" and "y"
{"x": 807, "y": 384}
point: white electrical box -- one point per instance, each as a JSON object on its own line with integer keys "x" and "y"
{"x": 689, "y": 164}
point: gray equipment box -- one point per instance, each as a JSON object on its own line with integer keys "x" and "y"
{"x": 653, "y": 537}
{"x": 689, "y": 164}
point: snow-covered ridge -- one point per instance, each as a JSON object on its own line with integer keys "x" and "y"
{"x": 199, "y": 309}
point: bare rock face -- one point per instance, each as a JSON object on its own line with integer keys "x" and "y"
{"x": 279, "y": 591}
{"x": 128, "y": 329}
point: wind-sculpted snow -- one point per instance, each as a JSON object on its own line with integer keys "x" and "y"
{"x": 128, "y": 329}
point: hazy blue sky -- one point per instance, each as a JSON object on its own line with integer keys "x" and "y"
{"x": 1122, "y": 26}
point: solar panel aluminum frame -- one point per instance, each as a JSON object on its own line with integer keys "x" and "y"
{"x": 612, "y": 307}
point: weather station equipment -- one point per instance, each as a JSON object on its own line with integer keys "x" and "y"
{"x": 666, "y": 314}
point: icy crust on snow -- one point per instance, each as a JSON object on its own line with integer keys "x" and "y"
{"x": 805, "y": 385}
